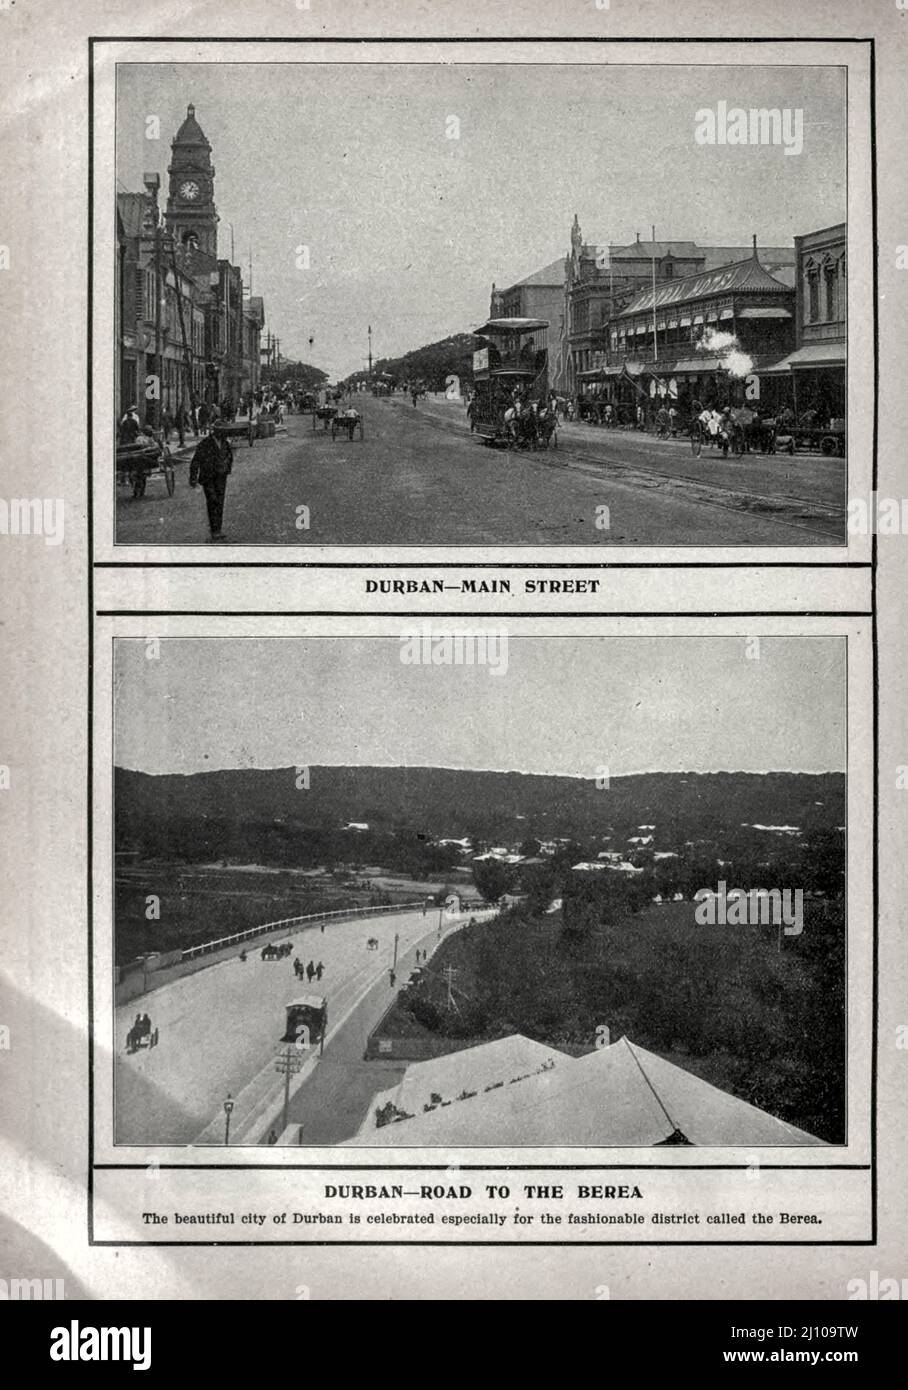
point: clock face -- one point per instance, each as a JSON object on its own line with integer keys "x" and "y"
{"x": 189, "y": 190}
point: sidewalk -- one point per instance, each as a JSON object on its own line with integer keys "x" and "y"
{"x": 184, "y": 453}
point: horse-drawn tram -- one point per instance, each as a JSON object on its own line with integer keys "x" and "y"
{"x": 307, "y": 1021}
{"x": 510, "y": 404}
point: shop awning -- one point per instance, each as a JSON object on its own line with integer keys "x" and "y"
{"x": 814, "y": 355}
{"x": 756, "y": 312}
{"x": 819, "y": 355}
{"x": 695, "y": 365}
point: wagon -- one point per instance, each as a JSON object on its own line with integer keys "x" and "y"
{"x": 830, "y": 440}
{"x": 349, "y": 421}
{"x": 146, "y": 458}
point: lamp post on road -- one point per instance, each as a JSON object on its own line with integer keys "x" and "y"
{"x": 228, "y": 1111}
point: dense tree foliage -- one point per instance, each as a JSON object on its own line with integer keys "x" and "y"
{"x": 756, "y": 1014}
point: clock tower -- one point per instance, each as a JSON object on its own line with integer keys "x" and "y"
{"x": 191, "y": 213}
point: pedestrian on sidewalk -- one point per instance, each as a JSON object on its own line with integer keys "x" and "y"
{"x": 320, "y": 970}
{"x": 211, "y": 466}
{"x": 272, "y": 1136}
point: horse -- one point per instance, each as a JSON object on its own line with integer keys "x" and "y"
{"x": 520, "y": 426}
{"x": 546, "y": 427}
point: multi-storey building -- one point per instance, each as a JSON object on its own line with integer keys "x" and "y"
{"x": 184, "y": 330}
{"x": 600, "y": 282}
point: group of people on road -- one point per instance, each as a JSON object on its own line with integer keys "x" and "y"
{"x": 310, "y": 970}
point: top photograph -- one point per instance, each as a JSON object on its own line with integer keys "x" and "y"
{"x": 367, "y": 304}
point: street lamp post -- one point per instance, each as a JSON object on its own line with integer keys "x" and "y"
{"x": 228, "y": 1111}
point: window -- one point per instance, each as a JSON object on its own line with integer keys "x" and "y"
{"x": 813, "y": 294}
{"x": 830, "y": 276}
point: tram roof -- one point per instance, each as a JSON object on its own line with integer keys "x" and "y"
{"x": 511, "y": 326}
{"x": 308, "y": 1001}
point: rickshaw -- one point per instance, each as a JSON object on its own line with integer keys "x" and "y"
{"x": 147, "y": 458}
{"x": 511, "y": 369}
{"x": 701, "y": 436}
{"x": 349, "y": 421}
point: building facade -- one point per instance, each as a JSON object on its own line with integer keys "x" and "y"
{"x": 819, "y": 362}
{"x": 707, "y": 337}
{"x": 600, "y": 282}
{"x": 539, "y": 296}
{"x": 186, "y": 331}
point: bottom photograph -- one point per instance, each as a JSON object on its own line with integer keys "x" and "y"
{"x": 454, "y": 889}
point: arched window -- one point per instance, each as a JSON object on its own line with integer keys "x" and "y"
{"x": 812, "y": 277}
{"x": 831, "y": 285}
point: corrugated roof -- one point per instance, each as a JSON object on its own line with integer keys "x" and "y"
{"x": 619, "y": 1095}
{"x": 472, "y": 1068}
{"x": 550, "y": 275}
{"x": 740, "y": 277}
{"x": 634, "y": 250}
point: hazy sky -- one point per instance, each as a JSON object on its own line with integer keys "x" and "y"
{"x": 563, "y": 705}
{"x": 408, "y": 228}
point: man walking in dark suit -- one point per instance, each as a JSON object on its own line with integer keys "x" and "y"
{"x": 211, "y": 465}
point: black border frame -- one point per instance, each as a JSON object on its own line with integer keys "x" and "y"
{"x": 92, "y": 564}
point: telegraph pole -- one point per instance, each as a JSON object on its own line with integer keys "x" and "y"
{"x": 655, "y": 338}
{"x": 158, "y": 292}
{"x": 289, "y": 1062}
{"x": 370, "y": 352}
{"x": 449, "y": 974}
{"x": 187, "y": 354}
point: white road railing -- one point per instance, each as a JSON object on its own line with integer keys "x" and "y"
{"x": 285, "y": 923}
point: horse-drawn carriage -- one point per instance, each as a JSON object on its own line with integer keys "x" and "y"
{"x": 324, "y": 415}
{"x": 510, "y": 403}
{"x": 141, "y": 1034}
{"x": 147, "y": 458}
{"x": 348, "y": 422}
{"x": 275, "y": 951}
